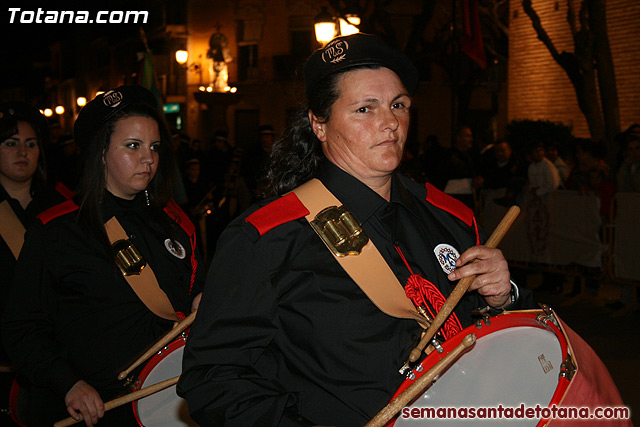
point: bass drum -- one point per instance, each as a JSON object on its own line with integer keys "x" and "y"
{"x": 164, "y": 408}
{"x": 520, "y": 359}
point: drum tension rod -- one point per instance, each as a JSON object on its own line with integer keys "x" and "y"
{"x": 484, "y": 315}
{"x": 567, "y": 368}
{"x": 550, "y": 316}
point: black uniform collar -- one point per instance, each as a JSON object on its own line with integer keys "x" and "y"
{"x": 114, "y": 205}
{"x": 357, "y": 197}
{"x": 361, "y": 200}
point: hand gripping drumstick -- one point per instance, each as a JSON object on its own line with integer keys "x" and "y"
{"x": 462, "y": 286}
{"x": 127, "y": 398}
{"x": 419, "y": 385}
{"x": 162, "y": 342}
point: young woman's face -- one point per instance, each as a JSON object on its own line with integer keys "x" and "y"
{"x": 131, "y": 160}
{"x": 367, "y": 130}
{"x": 19, "y": 155}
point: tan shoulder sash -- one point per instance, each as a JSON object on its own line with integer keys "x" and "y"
{"x": 145, "y": 284}
{"x": 11, "y": 229}
{"x": 368, "y": 269}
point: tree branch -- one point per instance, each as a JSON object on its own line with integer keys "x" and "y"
{"x": 542, "y": 34}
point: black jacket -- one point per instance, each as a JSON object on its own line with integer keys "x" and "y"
{"x": 72, "y": 315}
{"x": 284, "y": 332}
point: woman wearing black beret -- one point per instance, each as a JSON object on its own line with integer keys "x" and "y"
{"x": 103, "y": 276}
{"x": 287, "y": 333}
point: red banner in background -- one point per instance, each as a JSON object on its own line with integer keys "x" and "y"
{"x": 472, "y": 44}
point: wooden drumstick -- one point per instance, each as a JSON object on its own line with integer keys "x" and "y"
{"x": 420, "y": 384}
{"x": 127, "y": 398}
{"x": 162, "y": 342}
{"x": 462, "y": 286}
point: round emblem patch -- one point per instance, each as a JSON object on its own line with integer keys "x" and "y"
{"x": 112, "y": 98}
{"x": 447, "y": 256}
{"x": 175, "y": 249}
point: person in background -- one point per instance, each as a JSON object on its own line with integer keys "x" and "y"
{"x": 78, "y": 314}
{"x": 24, "y": 193}
{"x": 285, "y": 336}
{"x": 434, "y": 152}
{"x": 628, "y": 180}
{"x": 551, "y": 153}
{"x": 628, "y": 173}
{"x": 543, "y": 176}
{"x": 64, "y": 162}
{"x": 589, "y": 155}
{"x": 220, "y": 156}
{"x": 254, "y": 161}
{"x": 503, "y": 168}
{"x": 458, "y": 174}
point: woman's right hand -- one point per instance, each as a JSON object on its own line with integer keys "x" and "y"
{"x": 84, "y": 399}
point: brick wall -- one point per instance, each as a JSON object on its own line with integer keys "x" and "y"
{"x": 538, "y": 87}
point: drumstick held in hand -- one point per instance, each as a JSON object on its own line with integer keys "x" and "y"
{"x": 127, "y": 398}
{"x": 462, "y": 286}
{"x": 419, "y": 385}
{"x": 162, "y": 342}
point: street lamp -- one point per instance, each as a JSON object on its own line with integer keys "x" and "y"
{"x": 59, "y": 110}
{"x": 349, "y": 24}
{"x": 325, "y": 26}
{"x": 81, "y": 101}
{"x": 182, "y": 56}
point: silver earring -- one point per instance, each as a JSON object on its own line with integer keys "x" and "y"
{"x": 146, "y": 196}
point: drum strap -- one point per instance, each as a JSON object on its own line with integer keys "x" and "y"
{"x": 144, "y": 283}
{"x": 368, "y": 269}
{"x": 11, "y": 229}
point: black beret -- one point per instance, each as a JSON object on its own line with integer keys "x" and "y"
{"x": 101, "y": 108}
{"x": 27, "y": 112}
{"x": 354, "y": 51}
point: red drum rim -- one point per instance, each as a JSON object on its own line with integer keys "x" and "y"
{"x": 527, "y": 318}
{"x": 13, "y": 402}
{"x": 151, "y": 365}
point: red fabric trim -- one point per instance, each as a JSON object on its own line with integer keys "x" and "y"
{"x": 475, "y": 226}
{"x": 282, "y": 210}
{"x": 57, "y": 210}
{"x": 180, "y": 217}
{"x": 14, "y": 394}
{"x": 447, "y": 203}
{"x": 64, "y": 190}
{"x": 420, "y": 291}
{"x": 180, "y": 315}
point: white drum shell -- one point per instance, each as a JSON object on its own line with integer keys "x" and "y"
{"x": 164, "y": 408}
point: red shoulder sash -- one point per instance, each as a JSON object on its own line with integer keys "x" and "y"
{"x": 284, "y": 209}
{"x": 58, "y": 210}
{"x": 452, "y": 206}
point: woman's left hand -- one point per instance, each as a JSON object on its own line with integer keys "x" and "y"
{"x": 492, "y": 274}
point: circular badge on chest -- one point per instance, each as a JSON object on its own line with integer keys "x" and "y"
{"x": 447, "y": 256}
{"x": 175, "y": 248}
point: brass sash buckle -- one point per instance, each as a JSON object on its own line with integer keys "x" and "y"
{"x": 340, "y": 231}
{"x": 127, "y": 257}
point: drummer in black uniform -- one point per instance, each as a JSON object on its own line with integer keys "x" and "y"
{"x": 284, "y": 335}
{"x": 103, "y": 276}
{"x": 24, "y": 193}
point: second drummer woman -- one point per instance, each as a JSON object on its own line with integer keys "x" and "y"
{"x": 107, "y": 274}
